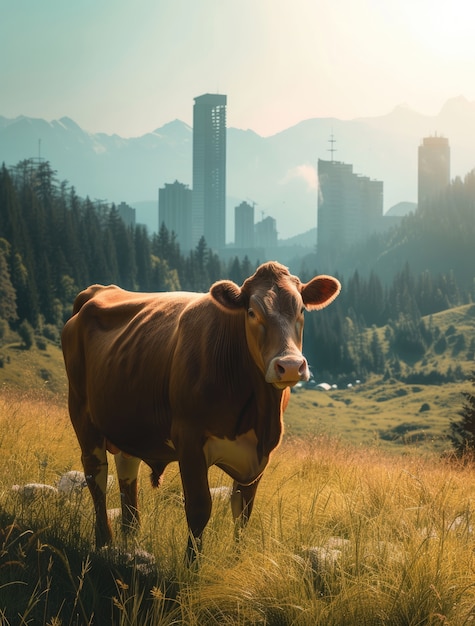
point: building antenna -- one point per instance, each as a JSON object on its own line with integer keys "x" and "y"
{"x": 39, "y": 149}
{"x": 332, "y": 149}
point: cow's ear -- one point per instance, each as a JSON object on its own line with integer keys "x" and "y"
{"x": 319, "y": 292}
{"x": 228, "y": 295}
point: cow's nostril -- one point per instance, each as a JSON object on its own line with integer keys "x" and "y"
{"x": 280, "y": 369}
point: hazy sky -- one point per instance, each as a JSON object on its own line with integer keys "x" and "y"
{"x": 131, "y": 66}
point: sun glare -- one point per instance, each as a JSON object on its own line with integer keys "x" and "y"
{"x": 444, "y": 29}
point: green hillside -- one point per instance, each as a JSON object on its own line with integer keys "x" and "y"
{"x": 390, "y": 413}
{"x": 36, "y": 370}
{"x": 452, "y": 346}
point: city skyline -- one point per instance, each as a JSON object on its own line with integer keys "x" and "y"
{"x": 100, "y": 166}
{"x": 349, "y": 206}
{"x": 120, "y": 69}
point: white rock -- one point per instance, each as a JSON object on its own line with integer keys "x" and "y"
{"x": 337, "y": 543}
{"x": 139, "y": 560}
{"x": 322, "y": 559}
{"x": 460, "y": 523}
{"x": 220, "y": 493}
{"x": 71, "y": 482}
{"x": 114, "y": 513}
{"x": 34, "y": 491}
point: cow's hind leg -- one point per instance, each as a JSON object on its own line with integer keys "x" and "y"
{"x": 95, "y": 470}
{"x": 242, "y": 501}
{"x": 94, "y": 462}
{"x": 127, "y": 471}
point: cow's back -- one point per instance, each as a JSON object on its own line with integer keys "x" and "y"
{"x": 118, "y": 347}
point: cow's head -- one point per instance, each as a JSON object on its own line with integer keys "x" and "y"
{"x": 273, "y": 302}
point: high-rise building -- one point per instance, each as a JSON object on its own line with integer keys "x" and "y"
{"x": 266, "y": 233}
{"x": 433, "y": 168}
{"x": 127, "y": 214}
{"x": 350, "y": 208}
{"x": 174, "y": 210}
{"x": 209, "y": 170}
{"x": 244, "y": 225}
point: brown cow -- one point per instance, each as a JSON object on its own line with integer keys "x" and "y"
{"x": 202, "y": 379}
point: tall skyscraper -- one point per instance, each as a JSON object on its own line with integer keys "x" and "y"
{"x": 174, "y": 210}
{"x": 266, "y": 233}
{"x": 349, "y": 208}
{"x": 127, "y": 214}
{"x": 433, "y": 168}
{"x": 209, "y": 170}
{"x": 244, "y": 225}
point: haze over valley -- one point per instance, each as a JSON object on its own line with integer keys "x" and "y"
{"x": 278, "y": 173}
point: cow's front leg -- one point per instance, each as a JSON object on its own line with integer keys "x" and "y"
{"x": 242, "y": 501}
{"x": 127, "y": 472}
{"x": 194, "y": 477}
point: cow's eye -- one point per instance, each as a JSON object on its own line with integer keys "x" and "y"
{"x": 251, "y": 314}
{"x": 302, "y": 310}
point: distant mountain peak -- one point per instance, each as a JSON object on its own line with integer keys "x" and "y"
{"x": 459, "y": 105}
{"x": 174, "y": 126}
{"x": 404, "y": 106}
{"x": 404, "y": 109}
{"x": 68, "y": 122}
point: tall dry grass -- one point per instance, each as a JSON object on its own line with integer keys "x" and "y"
{"x": 340, "y": 535}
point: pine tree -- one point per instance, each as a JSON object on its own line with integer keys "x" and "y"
{"x": 98, "y": 248}
{"x": 377, "y": 353}
{"x": 25, "y": 288}
{"x": 462, "y": 432}
{"x": 235, "y": 271}
{"x": 199, "y": 258}
{"x": 27, "y": 334}
{"x": 8, "y": 309}
{"x": 11, "y": 224}
{"x": 143, "y": 256}
{"x": 125, "y": 249}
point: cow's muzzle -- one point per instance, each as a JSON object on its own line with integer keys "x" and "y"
{"x": 287, "y": 371}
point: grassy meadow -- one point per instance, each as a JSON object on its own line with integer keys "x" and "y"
{"x": 361, "y": 518}
{"x": 391, "y": 416}
{"x": 341, "y": 534}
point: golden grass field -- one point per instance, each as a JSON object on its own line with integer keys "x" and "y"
{"x": 341, "y": 534}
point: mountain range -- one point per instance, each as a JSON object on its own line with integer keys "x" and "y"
{"x": 277, "y": 173}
